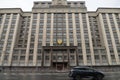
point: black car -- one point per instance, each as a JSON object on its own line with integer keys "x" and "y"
{"x": 77, "y": 73}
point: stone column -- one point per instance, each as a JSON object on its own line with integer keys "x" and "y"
{"x": 90, "y": 41}
{"x": 67, "y": 30}
{"x": 6, "y": 39}
{"x": 1, "y": 30}
{"x": 36, "y": 41}
{"x": 83, "y": 40}
{"x": 28, "y": 43}
{"x": 52, "y": 25}
{"x": 74, "y": 29}
{"x": 113, "y": 40}
{"x": 44, "y": 30}
{"x": 51, "y": 37}
{"x": 105, "y": 38}
{"x": 14, "y": 38}
{"x": 2, "y": 25}
{"x": 116, "y": 26}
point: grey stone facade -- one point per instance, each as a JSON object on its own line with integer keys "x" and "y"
{"x": 59, "y": 34}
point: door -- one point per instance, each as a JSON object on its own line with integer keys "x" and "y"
{"x": 60, "y": 66}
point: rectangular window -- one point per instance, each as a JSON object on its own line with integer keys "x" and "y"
{"x": 38, "y": 57}
{"x": 88, "y": 57}
{"x": 22, "y": 57}
{"x": 80, "y": 57}
{"x": 15, "y": 58}
{"x": 96, "y": 57}
{"x": 6, "y": 57}
{"x": 31, "y": 51}
{"x": 46, "y": 57}
{"x": 30, "y": 57}
{"x": 104, "y": 57}
{"x": 72, "y": 57}
{"x": 35, "y": 16}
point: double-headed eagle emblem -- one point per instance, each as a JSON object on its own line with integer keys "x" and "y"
{"x": 59, "y": 41}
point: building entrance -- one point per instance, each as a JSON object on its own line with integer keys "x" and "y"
{"x": 59, "y": 57}
{"x": 60, "y": 65}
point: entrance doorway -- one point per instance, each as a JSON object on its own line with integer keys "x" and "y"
{"x": 60, "y": 65}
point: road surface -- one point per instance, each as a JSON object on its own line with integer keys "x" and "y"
{"x": 49, "y": 76}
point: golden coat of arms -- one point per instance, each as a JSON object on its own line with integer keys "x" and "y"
{"x": 59, "y": 41}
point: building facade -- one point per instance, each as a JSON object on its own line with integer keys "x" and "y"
{"x": 59, "y": 34}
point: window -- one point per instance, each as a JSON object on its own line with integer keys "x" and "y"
{"x": 87, "y": 50}
{"x": 39, "y": 51}
{"x": 95, "y": 51}
{"x": 72, "y": 57}
{"x": 65, "y": 57}
{"x": 22, "y": 57}
{"x": 31, "y": 51}
{"x": 30, "y": 57}
{"x": 72, "y": 51}
{"x": 82, "y": 4}
{"x": 42, "y": 3}
{"x": 59, "y": 57}
{"x": 48, "y": 44}
{"x": 46, "y": 57}
{"x": 36, "y": 3}
{"x": 118, "y": 50}
{"x": 69, "y": 3}
{"x": 104, "y": 57}
{"x": 6, "y": 57}
{"x": 113, "y": 57}
{"x": 23, "y": 51}
{"x": 32, "y": 45}
{"x": 14, "y": 57}
{"x": 38, "y": 57}
{"x": 97, "y": 57}
{"x": 35, "y": 16}
{"x": 54, "y": 57}
{"x": 111, "y": 51}
{"x": 80, "y": 57}
{"x": 79, "y": 50}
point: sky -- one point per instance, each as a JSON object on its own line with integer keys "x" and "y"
{"x": 26, "y": 5}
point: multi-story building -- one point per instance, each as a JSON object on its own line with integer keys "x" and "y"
{"x": 58, "y": 35}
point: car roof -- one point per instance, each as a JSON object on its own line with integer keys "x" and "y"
{"x": 83, "y": 67}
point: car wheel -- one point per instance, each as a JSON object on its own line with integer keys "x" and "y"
{"x": 78, "y": 77}
{"x": 99, "y": 77}
{"x": 93, "y": 78}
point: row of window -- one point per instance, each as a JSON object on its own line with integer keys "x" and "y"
{"x": 59, "y": 57}
{"x": 107, "y": 30}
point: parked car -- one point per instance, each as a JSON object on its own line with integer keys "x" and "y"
{"x": 77, "y": 73}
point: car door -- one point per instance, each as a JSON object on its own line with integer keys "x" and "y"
{"x": 89, "y": 72}
{"x": 84, "y": 72}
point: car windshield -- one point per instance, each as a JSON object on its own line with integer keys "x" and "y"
{"x": 90, "y": 69}
{"x": 80, "y": 68}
